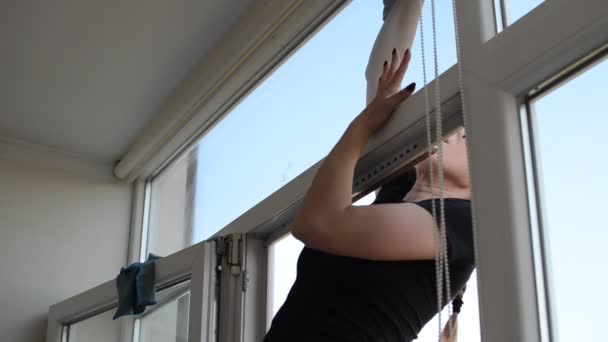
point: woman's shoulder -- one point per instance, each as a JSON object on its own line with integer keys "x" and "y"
{"x": 459, "y": 223}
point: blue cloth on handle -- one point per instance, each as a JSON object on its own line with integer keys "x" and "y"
{"x": 135, "y": 286}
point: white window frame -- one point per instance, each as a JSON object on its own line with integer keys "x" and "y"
{"x": 396, "y": 147}
{"x": 275, "y": 29}
{"x": 196, "y": 263}
{"x": 540, "y": 233}
{"x": 498, "y": 71}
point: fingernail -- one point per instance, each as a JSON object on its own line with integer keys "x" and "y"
{"x": 394, "y": 51}
{"x": 385, "y": 62}
{"x": 411, "y": 87}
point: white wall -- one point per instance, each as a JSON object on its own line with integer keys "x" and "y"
{"x": 64, "y": 228}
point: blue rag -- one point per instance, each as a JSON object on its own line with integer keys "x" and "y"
{"x": 135, "y": 287}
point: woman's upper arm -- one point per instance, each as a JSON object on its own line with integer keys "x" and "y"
{"x": 399, "y": 231}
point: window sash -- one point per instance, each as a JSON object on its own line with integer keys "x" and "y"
{"x": 542, "y": 258}
{"x": 498, "y": 73}
{"x": 196, "y": 263}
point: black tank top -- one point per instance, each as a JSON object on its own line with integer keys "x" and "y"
{"x": 337, "y": 298}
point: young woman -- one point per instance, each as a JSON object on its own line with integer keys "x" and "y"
{"x": 367, "y": 273}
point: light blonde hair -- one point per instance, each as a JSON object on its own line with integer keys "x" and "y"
{"x": 450, "y": 330}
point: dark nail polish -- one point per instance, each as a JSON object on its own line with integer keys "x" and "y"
{"x": 394, "y": 51}
{"x": 411, "y": 87}
{"x": 385, "y": 62}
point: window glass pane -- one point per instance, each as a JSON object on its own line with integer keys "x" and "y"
{"x": 515, "y": 9}
{"x": 283, "y": 261}
{"x": 99, "y": 328}
{"x": 167, "y": 321}
{"x": 569, "y": 126}
{"x": 170, "y": 227}
{"x": 293, "y": 118}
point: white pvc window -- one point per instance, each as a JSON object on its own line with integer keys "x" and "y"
{"x": 568, "y": 126}
{"x": 168, "y": 320}
{"x": 168, "y": 323}
{"x": 188, "y": 282}
{"x": 98, "y": 328}
{"x": 510, "y": 11}
{"x": 171, "y": 200}
{"x": 516, "y": 9}
{"x": 282, "y": 263}
{"x": 282, "y": 128}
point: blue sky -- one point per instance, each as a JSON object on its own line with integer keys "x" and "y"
{"x": 294, "y": 118}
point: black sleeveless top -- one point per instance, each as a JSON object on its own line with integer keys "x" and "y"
{"x": 337, "y": 298}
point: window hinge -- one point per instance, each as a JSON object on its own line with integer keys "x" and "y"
{"x": 230, "y": 248}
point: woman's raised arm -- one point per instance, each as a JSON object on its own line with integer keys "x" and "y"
{"x": 329, "y": 222}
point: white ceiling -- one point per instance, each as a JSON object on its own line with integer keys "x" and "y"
{"x": 85, "y": 76}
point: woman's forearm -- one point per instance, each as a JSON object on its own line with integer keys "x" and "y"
{"x": 331, "y": 189}
{"x": 330, "y": 194}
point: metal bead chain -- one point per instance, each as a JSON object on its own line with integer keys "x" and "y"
{"x": 429, "y": 141}
{"x": 464, "y": 117}
{"x": 443, "y": 258}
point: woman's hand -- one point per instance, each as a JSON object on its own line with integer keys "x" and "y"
{"x": 389, "y": 95}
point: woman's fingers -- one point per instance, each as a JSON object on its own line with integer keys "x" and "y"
{"x": 402, "y": 95}
{"x": 379, "y": 111}
{"x": 398, "y": 77}
{"x": 394, "y": 64}
{"x": 383, "y": 76}
{"x": 393, "y": 72}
